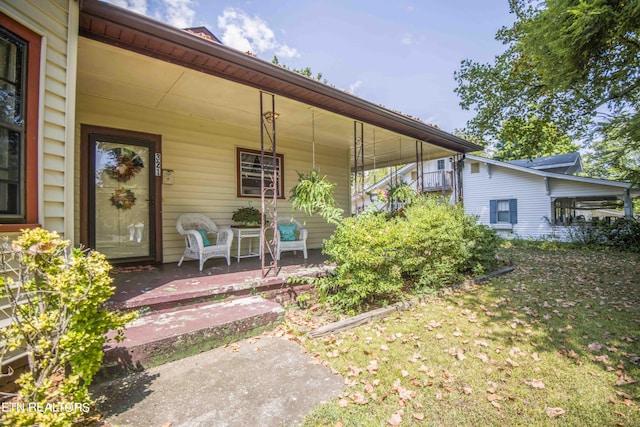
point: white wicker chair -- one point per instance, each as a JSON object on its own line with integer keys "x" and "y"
{"x": 295, "y": 245}
{"x": 188, "y": 225}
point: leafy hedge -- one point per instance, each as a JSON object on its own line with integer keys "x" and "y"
{"x": 622, "y": 233}
{"x": 378, "y": 258}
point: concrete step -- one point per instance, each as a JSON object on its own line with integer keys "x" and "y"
{"x": 161, "y": 337}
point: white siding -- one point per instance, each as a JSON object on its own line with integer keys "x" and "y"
{"x": 51, "y": 20}
{"x": 534, "y": 205}
{"x": 202, "y": 154}
{"x": 564, "y": 188}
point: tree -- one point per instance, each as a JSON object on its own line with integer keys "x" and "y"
{"x": 571, "y": 68}
{"x": 306, "y": 71}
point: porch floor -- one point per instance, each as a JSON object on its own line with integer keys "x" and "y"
{"x": 166, "y": 286}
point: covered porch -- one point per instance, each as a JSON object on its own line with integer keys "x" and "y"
{"x": 200, "y": 108}
{"x": 166, "y": 286}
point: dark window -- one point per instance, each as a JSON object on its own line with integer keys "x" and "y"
{"x": 249, "y": 170}
{"x": 19, "y": 79}
{"x": 475, "y": 167}
{"x": 441, "y": 164}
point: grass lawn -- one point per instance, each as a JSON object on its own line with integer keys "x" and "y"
{"x": 556, "y": 342}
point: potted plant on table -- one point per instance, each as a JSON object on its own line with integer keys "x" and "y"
{"x": 248, "y": 216}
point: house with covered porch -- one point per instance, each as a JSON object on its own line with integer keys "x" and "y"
{"x": 115, "y": 124}
{"x": 130, "y": 122}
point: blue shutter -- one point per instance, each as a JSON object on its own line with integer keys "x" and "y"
{"x": 513, "y": 211}
{"x": 493, "y": 211}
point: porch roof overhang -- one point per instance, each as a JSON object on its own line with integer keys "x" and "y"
{"x": 127, "y": 30}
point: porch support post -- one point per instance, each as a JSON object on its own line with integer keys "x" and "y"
{"x": 269, "y": 183}
{"x": 419, "y": 167}
{"x": 358, "y": 165}
{"x": 628, "y": 206}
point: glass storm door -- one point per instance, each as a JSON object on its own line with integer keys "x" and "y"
{"x": 122, "y": 198}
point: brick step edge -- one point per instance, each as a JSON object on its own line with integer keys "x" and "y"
{"x": 159, "y": 338}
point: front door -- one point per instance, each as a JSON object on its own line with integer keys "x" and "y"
{"x": 123, "y": 176}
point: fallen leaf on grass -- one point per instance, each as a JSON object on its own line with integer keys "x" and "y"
{"x": 396, "y": 418}
{"x": 535, "y": 357}
{"x": 338, "y": 424}
{"x": 496, "y": 404}
{"x": 628, "y": 402}
{"x": 343, "y": 403}
{"x": 624, "y": 395}
{"x": 594, "y": 346}
{"x": 625, "y": 379}
{"x": 467, "y": 390}
{"x": 483, "y": 357}
{"x": 494, "y": 397}
{"x": 359, "y": 398}
{"x": 512, "y": 363}
{"x": 535, "y": 384}
{"x": 418, "y": 416}
{"x": 554, "y": 412}
{"x": 383, "y": 347}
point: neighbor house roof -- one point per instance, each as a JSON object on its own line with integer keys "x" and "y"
{"x": 568, "y": 163}
{"x": 547, "y": 174}
{"x": 128, "y": 30}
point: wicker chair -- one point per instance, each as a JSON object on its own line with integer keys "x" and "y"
{"x": 197, "y": 229}
{"x": 299, "y": 242}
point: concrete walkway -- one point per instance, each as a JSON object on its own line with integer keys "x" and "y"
{"x": 261, "y": 381}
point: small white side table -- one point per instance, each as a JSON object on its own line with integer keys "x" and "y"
{"x": 247, "y": 232}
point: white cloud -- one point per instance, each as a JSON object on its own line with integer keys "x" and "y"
{"x": 354, "y": 86}
{"x": 139, "y": 6}
{"x": 247, "y": 33}
{"x": 406, "y": 39}
{"x": 179, "y": 13}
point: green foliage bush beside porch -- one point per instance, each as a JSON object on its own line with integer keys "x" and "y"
{"x": 379, "y": 258}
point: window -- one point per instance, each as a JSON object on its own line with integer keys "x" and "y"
{"x": 249, "y": 171}
{"x": 503, "y": 211}
{"x": 564, "y": 211}
{"x": 19, "y": 92}
{"x": 475, "y": 167}
{"x": 441, "y": 164}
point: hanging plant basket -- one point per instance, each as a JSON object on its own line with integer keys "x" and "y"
{"x": 314, "y": 194}
{"x": 127, "y": 165}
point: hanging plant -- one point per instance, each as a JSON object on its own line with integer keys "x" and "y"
{"x": 128, "y": 164}
{"x": 123, "y": 199}
{"x": 314, "y": 194}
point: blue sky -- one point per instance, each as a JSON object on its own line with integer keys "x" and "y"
{"x": 401, "y": 54}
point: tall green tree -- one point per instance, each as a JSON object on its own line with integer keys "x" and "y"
{"x": 571, "y": 68}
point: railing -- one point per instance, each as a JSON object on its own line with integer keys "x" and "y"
{"x": 438, "y": 181}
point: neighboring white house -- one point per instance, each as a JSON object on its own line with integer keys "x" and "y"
{"x": 530, "y": 202}
{"x": 438, "y": 176}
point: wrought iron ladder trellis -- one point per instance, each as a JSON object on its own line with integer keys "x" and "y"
{"x": 268, "y": 193}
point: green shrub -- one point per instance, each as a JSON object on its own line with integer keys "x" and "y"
{"x": 56, "y": 299}
{"x": 363, "y": 248}
{"x": 433, "y": 244}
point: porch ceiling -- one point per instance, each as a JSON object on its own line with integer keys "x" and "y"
{"x": 133, "y": 59}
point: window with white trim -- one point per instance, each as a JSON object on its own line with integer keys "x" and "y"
{"x": 504, "y": 211}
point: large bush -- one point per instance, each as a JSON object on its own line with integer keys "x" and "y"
{"x": 621, "y": 233}
{"x": 433, "y": 244}
{"x": 55, "y": 302}
{"x": 364, "y": 249}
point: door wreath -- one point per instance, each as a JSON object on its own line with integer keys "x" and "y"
{"x": 123, "y": 199}
{"x": 128, "y": 163}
